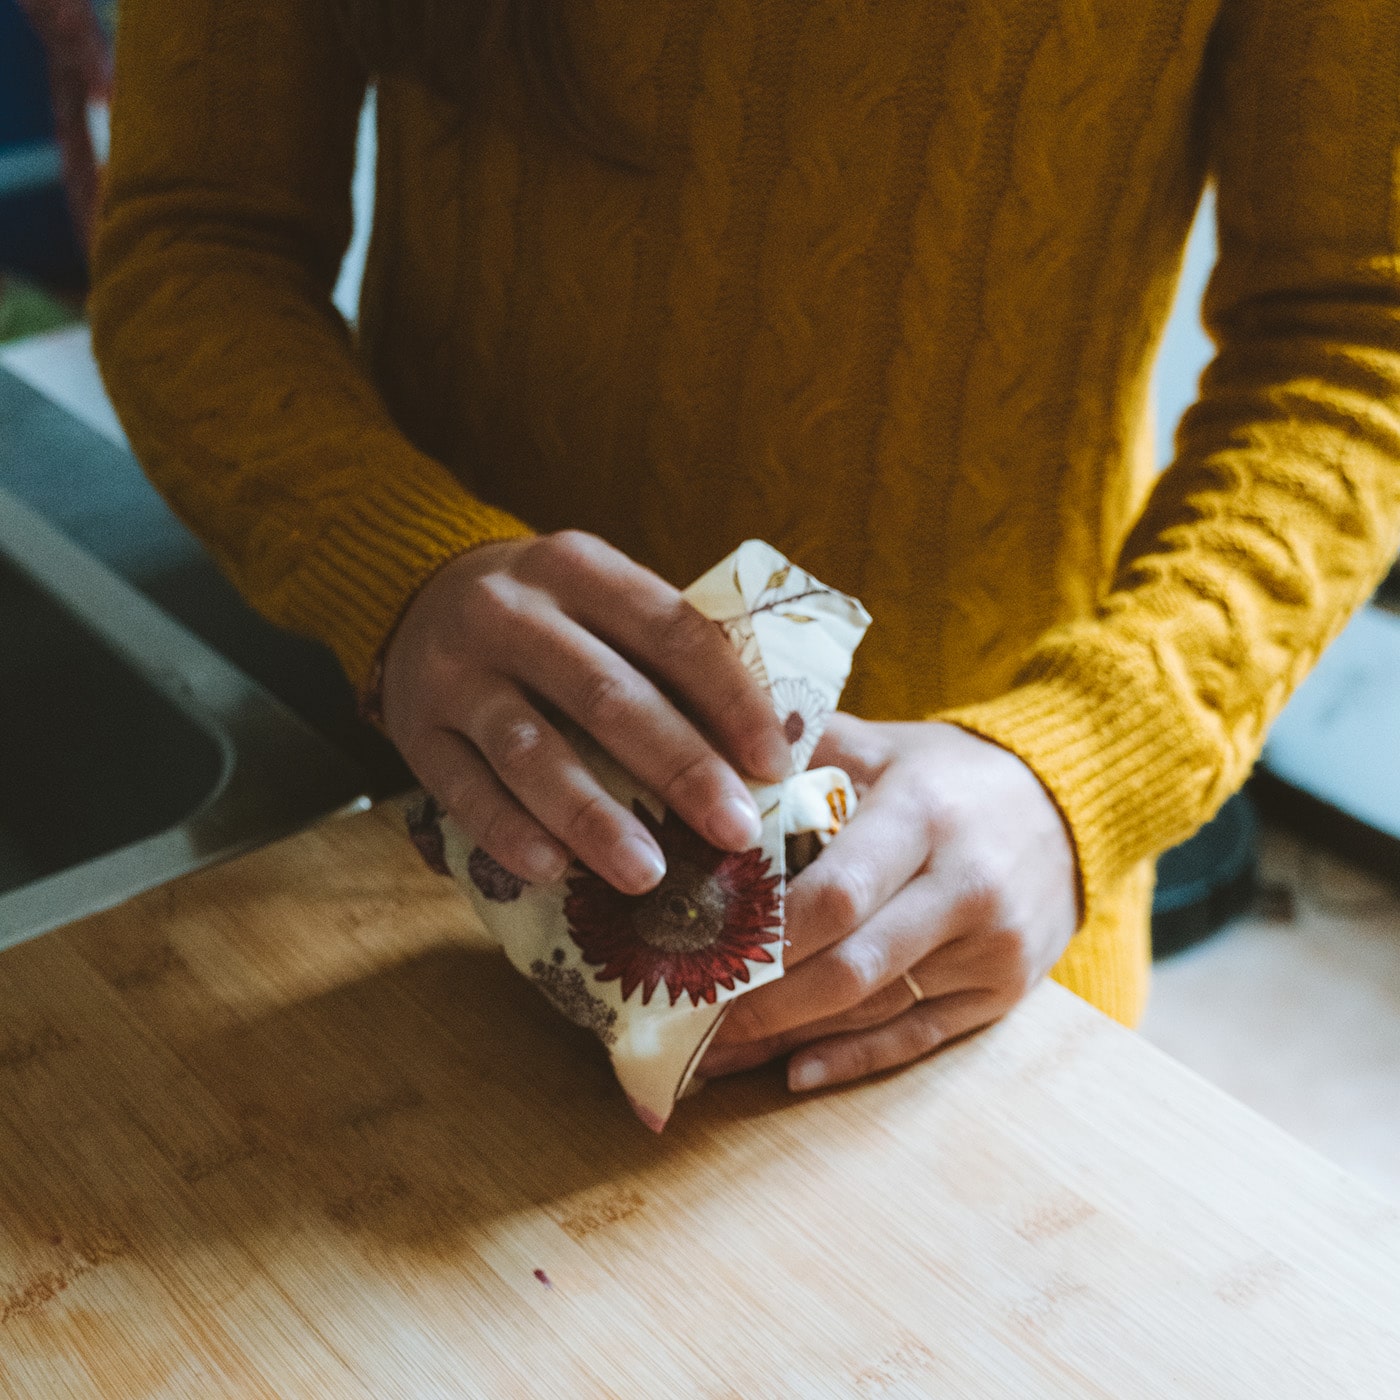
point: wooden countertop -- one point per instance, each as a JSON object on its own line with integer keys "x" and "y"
{"x": 290, "y": 1127}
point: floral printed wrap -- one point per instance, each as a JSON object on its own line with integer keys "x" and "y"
{"x": 652, "y": 975}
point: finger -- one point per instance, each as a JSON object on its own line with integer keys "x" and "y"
{"x": 612, "y": 701}
{"x": 541, "y": 769}
{"x": 860, "y": 750}
{"x": 487, "y": 814}
{"x": 865, "y": 865}
{"x": 649, "y": 621}
{"x": 922, "y": 1029}
{"x": 843, "y": 976}
{"x": 972, "y": 960}
{"x": 956, "y": 966}
{"x": 721, "y": 1059}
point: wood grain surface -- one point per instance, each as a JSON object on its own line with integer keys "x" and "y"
{"x": 290, "y": 1127}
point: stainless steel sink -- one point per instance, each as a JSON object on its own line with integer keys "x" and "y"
{"x": 130, "y": 752}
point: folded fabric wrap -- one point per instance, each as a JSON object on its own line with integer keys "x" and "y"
{"x": 652, "y": 975}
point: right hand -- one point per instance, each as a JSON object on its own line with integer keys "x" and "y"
{"x": 570, "y": 619}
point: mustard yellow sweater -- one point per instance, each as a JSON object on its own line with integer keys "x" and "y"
{"x": 885, "y": 292}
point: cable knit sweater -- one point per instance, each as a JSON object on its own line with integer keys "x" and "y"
{"x": 885, "y": 292}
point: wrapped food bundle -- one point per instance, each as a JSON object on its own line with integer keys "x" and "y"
{"x": 653, "y": 975}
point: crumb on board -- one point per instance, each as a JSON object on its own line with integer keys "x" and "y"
{"x": 543, "y": 1278}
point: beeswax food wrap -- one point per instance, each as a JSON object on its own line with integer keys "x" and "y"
{"x": 653, "y": 975}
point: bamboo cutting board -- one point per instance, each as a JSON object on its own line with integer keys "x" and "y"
{"x": 289, "y": 1127}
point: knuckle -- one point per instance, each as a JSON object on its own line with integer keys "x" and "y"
{"x": 917, "y": 1036}
{"x": 493, "y": 594}
{"x": 681, "y": 630}
{"x": 517, "y": 746}
{"x": 590, "y": 823}
{"x": 743, "y": 1023}
{"x": 933, "y": 810}
{"x": 861, "y": 968}
{"x": 490, "y": 828}
{"x": 695, "y": 777}
{"x": 490, "y": 614}
{"x": 839, "y": 901}
{"x": 608, "y": 700}
{"x": 861, "y": 1059}
{"x": 570, "y": 549}
{"x": 500, "y": 830}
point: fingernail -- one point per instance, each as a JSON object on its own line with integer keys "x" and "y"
{"x": 807, "y": 1074}
{"x": 736, "y": 822}
{"x": 641, "y": 866}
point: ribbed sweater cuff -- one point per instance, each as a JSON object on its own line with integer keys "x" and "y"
{"x": 1130, "y": 775}
{"x": 377, "y": 551}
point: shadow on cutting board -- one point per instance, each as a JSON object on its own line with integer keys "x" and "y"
{"x": 444, "y": 1092}
{"x": 265, "y": 1070}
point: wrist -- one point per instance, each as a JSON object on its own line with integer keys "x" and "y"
{"x": 370, "y": 695}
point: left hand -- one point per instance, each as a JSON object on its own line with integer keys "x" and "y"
{"x": 957, "y": 869}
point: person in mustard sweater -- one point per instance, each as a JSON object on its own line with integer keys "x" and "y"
{"x": 880, "y": 284}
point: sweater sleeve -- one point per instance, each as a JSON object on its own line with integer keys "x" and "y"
{"x": 226, "y": 213}
{"x": 1281, "y": 509}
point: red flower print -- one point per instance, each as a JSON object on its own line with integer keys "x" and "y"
{"x": 698, "y": 930}
{"x": 566, "y": 989}
{"x": 495, "y": 882}
{"x": 489, "y": 876}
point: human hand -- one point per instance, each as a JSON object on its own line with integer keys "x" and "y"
{"x": 571, "y": 620}
{"x": 957, "y": 869}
